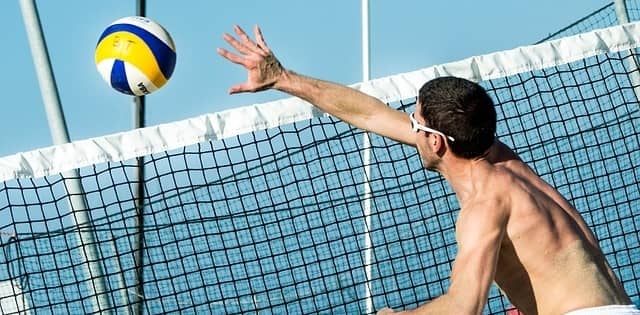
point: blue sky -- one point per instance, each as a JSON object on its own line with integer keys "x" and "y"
{"x": 317, "y": 38}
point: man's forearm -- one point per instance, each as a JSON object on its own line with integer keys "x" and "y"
{"x": 343, "y": 102}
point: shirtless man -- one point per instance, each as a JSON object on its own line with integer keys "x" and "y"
{"x": 513, "y": 228}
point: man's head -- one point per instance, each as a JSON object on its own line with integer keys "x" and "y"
{"x": 460, "y": 109}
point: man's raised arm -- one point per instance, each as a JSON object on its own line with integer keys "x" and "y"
{"x": 352, "y": 106}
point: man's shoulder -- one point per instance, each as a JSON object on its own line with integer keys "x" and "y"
{"x": 500, "y": 180}
{"x": 496, "y": 192}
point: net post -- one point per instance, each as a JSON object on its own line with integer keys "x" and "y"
{"x": 60, "y": 134}
{"x": 124, "y": 293}
{"x": 632, "y": 65}
{"x": 621, "y": 11}
{"x": 366, "y": 158}
{"x": 139, "y": 103}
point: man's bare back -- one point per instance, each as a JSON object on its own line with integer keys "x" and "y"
{"x": 564, "y": 268}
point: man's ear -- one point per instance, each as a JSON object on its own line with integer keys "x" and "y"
{"x": 438, "y": 144}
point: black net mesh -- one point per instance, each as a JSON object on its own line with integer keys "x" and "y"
{"x": 605, "y": 16}
{"x": 273, "y": 221}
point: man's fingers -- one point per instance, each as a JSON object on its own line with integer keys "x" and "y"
{"x": 231, "y": 56}
{"x": 246, "y": 41}
{"x": 260, "y": 39}
{"x": 262, "y": 67}
{"x": 238, "y": 30}
{"x": 240, "y": 88}
{"x": 236, "y": 44}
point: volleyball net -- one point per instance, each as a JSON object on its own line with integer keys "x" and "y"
{"x": 605, "y": 16}
{"x": 265, "y": 208}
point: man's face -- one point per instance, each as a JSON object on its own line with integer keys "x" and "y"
{"x": 425, "y": 151}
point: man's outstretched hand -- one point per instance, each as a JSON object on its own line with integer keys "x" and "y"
{"x": 263, "y": 69}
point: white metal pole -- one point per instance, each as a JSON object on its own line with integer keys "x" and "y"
{"x": 60, "y": 135}
{"x": 368, "y": 244}
{"x": 366, "y": 65}
{"x": 621, "y": 11}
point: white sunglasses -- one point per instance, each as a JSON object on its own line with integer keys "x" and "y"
{"x": 415, "y": 126}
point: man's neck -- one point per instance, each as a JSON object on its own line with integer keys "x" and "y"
{"x": 464, "y": 175}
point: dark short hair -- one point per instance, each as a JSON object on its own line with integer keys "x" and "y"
{"x": 461, "y": 109}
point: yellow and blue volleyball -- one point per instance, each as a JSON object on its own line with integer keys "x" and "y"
{"x": 135, "y": 55}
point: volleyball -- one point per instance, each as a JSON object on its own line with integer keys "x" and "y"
{"x": 135, "y": 55}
